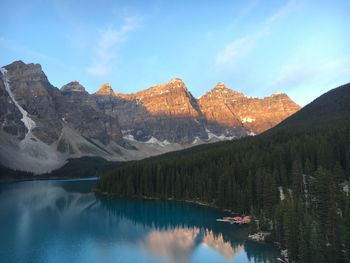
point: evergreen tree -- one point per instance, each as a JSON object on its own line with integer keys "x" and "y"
{"x": 311, "y": 164}
{"x": 304, "y": 241}
{"x": 291, "y": 226}
{"x": 269, "y": 194}
{"x": 347, "y": 231}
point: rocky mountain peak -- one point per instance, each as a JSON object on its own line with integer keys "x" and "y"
{"x": 174, "y": 87}
{"x": 176, "y": 80}
{"x": 176, "y": 83}
{"x": 82, "y": 124}
{"x": 220, "y": 86}
{"x": 16, "y": 63}
{"x": 221, "y": 92}
{"x": 31, "y": 72}
{"x": 222, "y": 89}
{"x": 177, "y": 86}
{"x": 280, "y": 95}
{"x": 106, "y": 89}
{"x": 73, "y": 86}
{"x": 230, "y": 108}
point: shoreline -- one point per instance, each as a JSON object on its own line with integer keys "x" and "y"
{"x": 200, "y": 203}
{"x": 196, "y": 202}
{"x": 43, "y": 178}
{"x": 106, "y": 194}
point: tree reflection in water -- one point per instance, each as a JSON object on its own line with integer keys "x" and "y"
{"x": 45, "y": 219}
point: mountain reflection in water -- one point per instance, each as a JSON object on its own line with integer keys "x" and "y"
{"x": 62, "y": 221}
{"x": 177, "y": 244}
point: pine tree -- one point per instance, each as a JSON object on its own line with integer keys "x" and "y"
{"x": 304, "y": 241}
{"x": 347, "y": 162}
{"x": 269, "y": 194}
{"x": 338, "y": 173}
{"x": 321, "y": 192}
{"x": 291, "y": 228}
{"x": 297, "y": 179}
{"x": 221, "y": 191}
{"x": 316, "y": 245}
{"x": 347, "y": 231}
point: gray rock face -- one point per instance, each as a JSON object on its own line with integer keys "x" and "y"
{"x": 42, "y": 126}
{"x": 166, "y": 112}
{"x": 169, "y": 112}
{"x": 79, "y": 110}
{"x": 10, "y": 116}
{"x": 227, "y": 109}
{"x": 52, "y": 116}
{"x": 49, "y": 107}
{"x": 72, "y": 87}
{"x": 36, "y": 95}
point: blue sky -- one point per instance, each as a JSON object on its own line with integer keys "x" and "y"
{"x": 300, "y": 47}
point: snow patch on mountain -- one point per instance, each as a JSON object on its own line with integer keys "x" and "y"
{"x": 28, "y": 122}
{"x": 129, "y": 137}
{"x": 30, "y": 154}
{"x": 250, "y": 133}
{"x": 346, "y": 188}
{"x": 221, "y": 137}
{"x": 248, "y": 119}
{"x": 282, "y": 195}
{"x": 196, "y": 140}
{"x": 153, "y": 140}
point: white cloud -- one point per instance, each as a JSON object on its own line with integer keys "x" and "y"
{"x": 306, "y": 79}
{"x": 234, "y": 51}
{"x": 108, "y": 42}
{"x": 299, "y": 71}
{"x": 28, "y": 53}
{"x": 239, "y": 48}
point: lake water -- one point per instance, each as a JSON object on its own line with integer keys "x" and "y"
{"x": 63, "y": 222}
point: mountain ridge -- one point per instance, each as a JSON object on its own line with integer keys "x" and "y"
{"x": 206, "y": 106}
{"x": 71, "y": 123}
{"x": 293, "y": 179}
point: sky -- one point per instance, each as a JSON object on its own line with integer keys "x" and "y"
{"x": 300, "y": 47}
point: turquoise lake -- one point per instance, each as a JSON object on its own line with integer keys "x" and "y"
{"x": 63, "y": 222}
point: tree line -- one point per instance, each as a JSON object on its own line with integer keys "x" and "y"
{"x": 293, "y": 181}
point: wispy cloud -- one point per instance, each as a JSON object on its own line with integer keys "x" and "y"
{"x": 108, "y": 42}
{"x": 234, "y": 51}
{"x": 30, "y": 53}
{"x": 239, "y": 48}
{"x": 307, "y": 79}
{"x": 299, "y": 71}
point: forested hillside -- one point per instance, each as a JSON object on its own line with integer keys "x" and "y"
{"x": 293, "y": 179}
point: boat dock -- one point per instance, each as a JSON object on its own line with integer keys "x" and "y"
{"x": 236, "y": 220}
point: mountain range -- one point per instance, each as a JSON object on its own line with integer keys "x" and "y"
{"x": 42, "y": 126}
{"x": 292, "y": 179}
